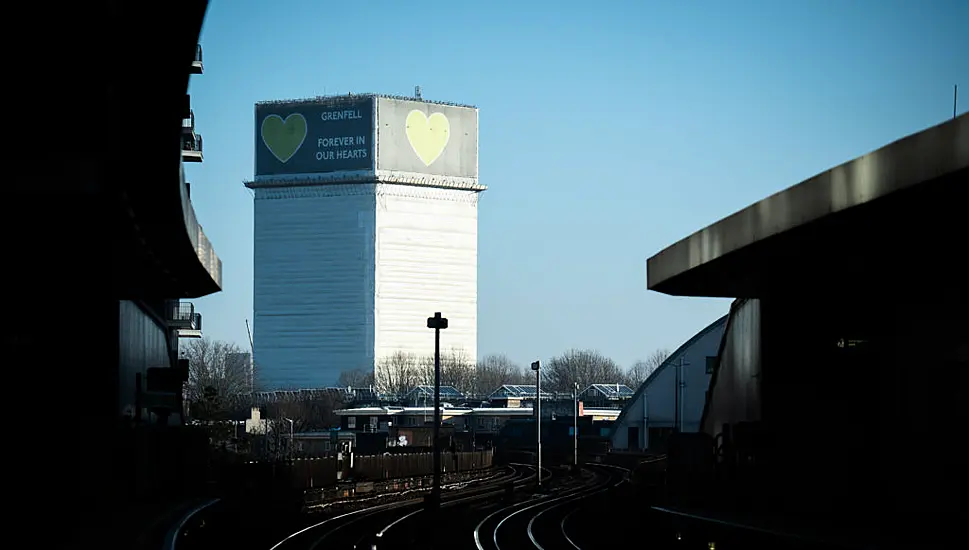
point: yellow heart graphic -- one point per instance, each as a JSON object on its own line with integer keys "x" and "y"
{"x": 284, "y": 137}
{"x": 428, "y": 136}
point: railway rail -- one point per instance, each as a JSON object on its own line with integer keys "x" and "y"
{"x": 544, "y": 522}
{"x": 364, "y": 528}
{"x": 507, "y": 510}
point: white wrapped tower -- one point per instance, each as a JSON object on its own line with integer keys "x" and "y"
{"x": 365, "y": 225}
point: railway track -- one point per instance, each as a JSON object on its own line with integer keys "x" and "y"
{"x": 367, "y": 527}
{"x": 505, "y": 511}
{"x": 543, "y": 523}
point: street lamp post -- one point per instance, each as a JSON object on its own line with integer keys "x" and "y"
{"x": 536, "y": 366}
{"x": 438, "y": 323}
{"x": 290, "y": 453}
{"x": 575, "y": 428}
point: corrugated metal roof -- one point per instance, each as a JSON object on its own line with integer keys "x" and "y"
{"x": 612, "y": 391}
{"x": 670, "y": 360}
{"x": 520, "y": 391}
{"x": 449, "y": 392}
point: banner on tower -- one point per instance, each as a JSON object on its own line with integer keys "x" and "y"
{"x": 422, "y": 137}
{"x": 367, "y": 138}
{"x": 314, "y": 137}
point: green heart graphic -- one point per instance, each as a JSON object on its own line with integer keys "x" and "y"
{"x": 284, "y": 137}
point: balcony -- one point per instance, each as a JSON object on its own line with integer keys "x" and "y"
{"x": 195, "y": 331}
{"x": 181, "y": 314}
{"x": 185, "y": 320}
{"x": 191, "y": 146}
{"x": 197, "y": 62}
{"x": 188, "y": 124}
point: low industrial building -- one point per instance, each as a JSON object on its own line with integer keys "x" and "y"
{"x": 672, "y": 396}
{"x": 606, "y": 395}
{"x": 468, "y": 427}
{"x": 422, "y": 395}
{"x": 516, "y": 395}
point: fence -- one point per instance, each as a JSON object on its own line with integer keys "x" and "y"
{"x": 410, "y": 465}
{"x": 323, "y": 472}
{"x": 321, "y": 495}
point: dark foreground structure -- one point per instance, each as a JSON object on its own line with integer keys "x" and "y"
{"x": 101, "y": 243}
{"x": 837, "y": 402}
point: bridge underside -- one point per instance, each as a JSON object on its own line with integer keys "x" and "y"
{"x": 891, "y": 221}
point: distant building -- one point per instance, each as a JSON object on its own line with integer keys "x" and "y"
{"x": 672, "y": 396}
{"x": 422, "y": 395}
{"x": 606, "y": 395}
{"x": 361, "y": 231}
{"x": 516, "y": 395}
{"x": 468, "y": 427}
{"x": 256, "y": 424}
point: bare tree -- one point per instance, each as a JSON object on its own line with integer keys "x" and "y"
{"x": 495, "y": 370}
{"x": 640, "y": 371}
{"x": 423, "y": 370}
{"x": 457, "y": 370}
{"x": 308, "y": 411}
{"x": 397, "y": 373}
{"x": 299, "y": 412}
{"x": 583, "y": 366}
{"x": 219, "y": 378}
{"x": 356, "y": 378}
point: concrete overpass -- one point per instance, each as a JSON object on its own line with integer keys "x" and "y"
{"x": 896, "y": 212}
{"x": 845, "y": 355}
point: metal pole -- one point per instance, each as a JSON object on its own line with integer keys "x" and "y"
{"x": 437, "y": 414}
{"x": 575, "y": 440}
{"x": 538, "y": 400}
{"x": 290, "y": 450}
{"x": 536, "y": 366}
{"x": 438, "y": 323}
{"x": 676, "y": 398}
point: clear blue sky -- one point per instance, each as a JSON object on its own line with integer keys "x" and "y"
{"x": 609, "y": 130}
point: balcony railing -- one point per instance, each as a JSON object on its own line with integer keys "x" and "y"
{"x": 195, "y": 330}
{"x": 182, "y": 315}
{"x": 203, "y": 248}
{"x": 191, "y": 147}
{"x": 208, "y": 257}
{"x": 191, "y": 222}
{"x": 197, "y": 62}
{"x": 188, "y": 123}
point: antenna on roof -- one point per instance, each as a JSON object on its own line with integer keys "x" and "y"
{"x": 955, "y": 99}
{"x": 417, "y": 92}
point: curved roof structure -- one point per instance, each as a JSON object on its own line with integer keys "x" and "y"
{"x": 847, "y": 216}
{"x": 666, "y": 364}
